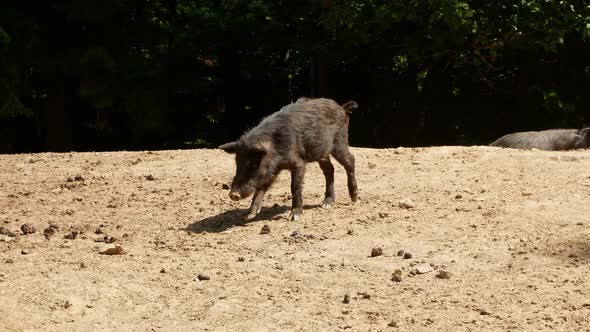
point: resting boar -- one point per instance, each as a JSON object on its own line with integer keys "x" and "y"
{"x": 308, "y": 130}
{"x": 552, "y": 140}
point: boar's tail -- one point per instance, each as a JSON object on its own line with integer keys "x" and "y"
{"x": 349, "y": 106}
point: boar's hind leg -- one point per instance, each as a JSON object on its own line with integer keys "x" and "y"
{"x": 297, "y": 175}
{"x": 344, "y": 157}
{"x": 328, "y": 170}
{"x": 256, "y": 204}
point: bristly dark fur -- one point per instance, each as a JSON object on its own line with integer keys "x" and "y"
{"x": 552, "y": 140}
{"x": 309, "y": 130}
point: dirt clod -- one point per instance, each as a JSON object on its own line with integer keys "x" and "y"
{"x": 109, "y": 239}
{"x": 383, "y": 214}
{"x": 68, "y": 185}
{"x": 7, "y": 232}
{"x": 396, "y": 275}
{"x": 346, "y": 299}
{"x": 25, "y": 252}
{"x": 71, "y": 235}
{"x": 203, "y": 276}
{"x": 225, "y": 186}
{"x": 27, "y": 229}
{"x": 407, "y": 255}
{"x": 376, "y": 252}
{"x": 117, "y": 250}
{"x": 50, "y": 231}
{"x": 150, "y": 177}
{"x": 265, "y": 229}
{"x": 443, "y": 274}
{"x": 364, "y": 295}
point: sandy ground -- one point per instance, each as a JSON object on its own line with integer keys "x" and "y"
{"x": 499, "y": 240}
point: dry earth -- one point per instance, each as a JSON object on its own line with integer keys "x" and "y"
{"x": 511, "y": 228}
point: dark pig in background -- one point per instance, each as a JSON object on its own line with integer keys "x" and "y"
{"x": 552, "y": 140}
{"x": 309, "y": 130}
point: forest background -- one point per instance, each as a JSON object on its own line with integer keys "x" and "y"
{"x": 159, "y": 74}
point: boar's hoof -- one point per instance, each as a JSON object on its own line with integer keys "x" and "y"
{"x": 234, "y": 196}
{"x": 296, "y": 214}
{"x": 354, "y": 197}
{"x": 328, "y": 202}
{"x": 250, "y": 216}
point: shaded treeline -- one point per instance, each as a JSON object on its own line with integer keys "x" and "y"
{"x": 138, "y": 74}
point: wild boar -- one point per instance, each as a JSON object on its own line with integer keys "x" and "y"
{"x": 309, "y": 130}
{"x": 552, "y": 140}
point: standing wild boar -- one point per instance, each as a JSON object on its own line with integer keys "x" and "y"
{"x": 552, "y": 140}
{"x": 305, "y": 131}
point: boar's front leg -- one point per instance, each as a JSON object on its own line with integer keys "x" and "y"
{"x": 297, "y": 175}
{"x": 256, "y": 204}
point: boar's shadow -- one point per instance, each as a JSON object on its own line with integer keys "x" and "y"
{"x": 573, "y": 250}
{"x": 233, "y": 218}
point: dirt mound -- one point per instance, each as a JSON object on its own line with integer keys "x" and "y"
{"x": 493, "y": 239}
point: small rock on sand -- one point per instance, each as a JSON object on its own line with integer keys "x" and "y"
{"x": 423, "y": 269}
{"x": 406, "y": 203}
{"x": 117, "y": 250}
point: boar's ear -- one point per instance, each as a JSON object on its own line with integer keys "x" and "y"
{"x": 229, "y": 147}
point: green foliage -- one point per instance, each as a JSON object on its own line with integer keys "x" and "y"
{"x": 11, "y": 107}
{"x": 4, "y": 39}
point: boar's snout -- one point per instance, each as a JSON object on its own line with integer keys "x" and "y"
{"x": 235, "y": 196}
